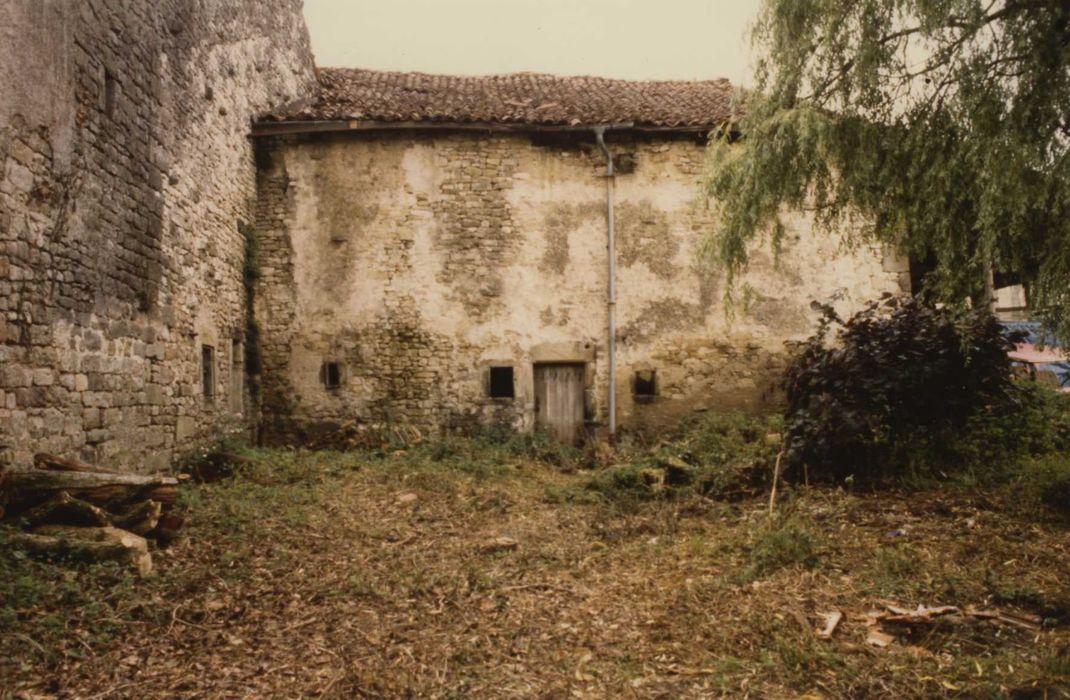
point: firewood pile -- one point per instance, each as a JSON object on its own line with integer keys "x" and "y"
{"x": 75, "y": 509}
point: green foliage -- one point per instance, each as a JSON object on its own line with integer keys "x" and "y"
{"x": 901, "y": 384}
{"x": 539, "y": 446}
{"x": 38, "y": 600}
{"x": 1045, "y": 480}
{"x": 203, "y": 458}
{"x": 624, "y": 485}
{"x": 721, "y": 455}
{"x": 995, "y": 441}
{"x": 493, "y": 450}
{"x": 732, "y": 452}
{"x": 938, "y": 126}
{"x": 250, "y": 275}
{"x": 781, "y": 543}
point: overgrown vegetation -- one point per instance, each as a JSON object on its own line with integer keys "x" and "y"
{"x": 727, "y": 456}
{"x": 938, "y": 127}
{"x": 379, "y": 573}
{"x": 907, "y": 389}
{"x": 250, "y": 276}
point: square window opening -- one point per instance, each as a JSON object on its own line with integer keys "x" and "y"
{"x": 501, "y": 383}
{"x": 332, "y": 375}
{"x": 208, "y": 372}
{"x": 645, "y": 385}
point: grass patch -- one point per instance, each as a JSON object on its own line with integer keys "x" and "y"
{"x": 782, "y": 542}
{"x": 720, "y": 456}
{"x": 379, "y": 573}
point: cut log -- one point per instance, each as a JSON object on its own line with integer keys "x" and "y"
{"x": 43, "y": 460}
{"x": 26, "y": 489}
{"x": 92, "y": 544}
{"x": 140, "y": 518}
{"x": 166, "y": 530}
{"x": 65, "y": 509}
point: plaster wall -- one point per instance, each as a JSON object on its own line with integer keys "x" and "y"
{"x": 417, "y": 261}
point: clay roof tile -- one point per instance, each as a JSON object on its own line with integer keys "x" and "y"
{"x": 524, "y": 98}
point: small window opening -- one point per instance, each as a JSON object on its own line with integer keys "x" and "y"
{"x": 501, "y": 383}
{"x": 237, "y": 376}
{"x": 208, "y": 372}
{"x": 111, "y": 93}
{"x": 645, "y": 385}
{"x": 332, "y": 375}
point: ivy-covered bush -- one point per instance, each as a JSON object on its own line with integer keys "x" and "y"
{"x": 895, "y": 390}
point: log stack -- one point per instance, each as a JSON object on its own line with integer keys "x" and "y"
{"x": 76, "y": 509}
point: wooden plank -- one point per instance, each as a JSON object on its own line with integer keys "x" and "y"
{"x": 559, "y": 395}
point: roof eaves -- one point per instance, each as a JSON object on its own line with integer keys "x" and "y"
{"x": 278, "y": 128}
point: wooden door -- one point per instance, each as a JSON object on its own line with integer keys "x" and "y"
{"x": 559, "y": 400}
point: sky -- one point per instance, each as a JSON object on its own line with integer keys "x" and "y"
{"x": 632, "y": 39}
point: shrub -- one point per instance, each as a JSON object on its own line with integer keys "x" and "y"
{"x": 779, "y": 544}
{"x": 721, "y": 455}
{"x": 623, "y": 485}
{"x": 899, "y": 386}
{"x": 999, "y": 440}
{"x": 730, "y": 453}
{"x": 1046, "y": 479}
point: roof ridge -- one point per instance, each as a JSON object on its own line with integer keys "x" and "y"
{"x": 517, "y": 74}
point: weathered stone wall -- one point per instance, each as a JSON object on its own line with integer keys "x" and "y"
{"x": 415, "y": 262}
{"x": 126, "y": 173}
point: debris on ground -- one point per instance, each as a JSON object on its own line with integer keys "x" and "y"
{"x": 73, "y": 509}
{"x": 499, "y": 544}
{"x": 303, "y": 577}
{"x": 832, "y": 621}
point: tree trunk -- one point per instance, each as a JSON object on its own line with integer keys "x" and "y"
{"x": 166, "y": 530}
{"x": 140, "y": 518}
{"x": 64, "y": 509}
{"x": 87, "y": 544}
{"x": 26, "y": 489}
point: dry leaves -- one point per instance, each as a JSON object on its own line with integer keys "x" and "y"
{"x": 327, "y": 588}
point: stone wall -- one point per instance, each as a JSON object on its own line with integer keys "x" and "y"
{"x": 126, "y": 175}
{"x": 416, "y": 261}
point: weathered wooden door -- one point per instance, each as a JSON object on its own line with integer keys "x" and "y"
{"x": 559, "y": 400}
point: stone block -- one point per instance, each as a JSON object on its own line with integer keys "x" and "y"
{"x": 185, "y": 428}
{"x": 95, "y": 437}
{"x": 91, "y": 418}
{"x": 14, "y": 376}
{"x": 44, "y": 377}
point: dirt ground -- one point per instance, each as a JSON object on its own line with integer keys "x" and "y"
{"x": 340, "y": 576}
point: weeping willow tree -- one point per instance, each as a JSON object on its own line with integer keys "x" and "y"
{"x": 940, "y": 127}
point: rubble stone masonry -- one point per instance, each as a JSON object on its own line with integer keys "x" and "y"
{"x": 415, "y": 261}
{"x": 126, "y": 178}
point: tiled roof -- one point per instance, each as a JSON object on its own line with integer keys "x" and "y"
{"x": 518, "y": 98}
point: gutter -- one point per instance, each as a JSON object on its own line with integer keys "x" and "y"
{"x": 611, "y": 296}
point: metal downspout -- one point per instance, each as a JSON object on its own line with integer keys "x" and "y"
{"x": 611, "y": 302}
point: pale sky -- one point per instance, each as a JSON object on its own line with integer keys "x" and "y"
{"x": 635, "y": 39}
